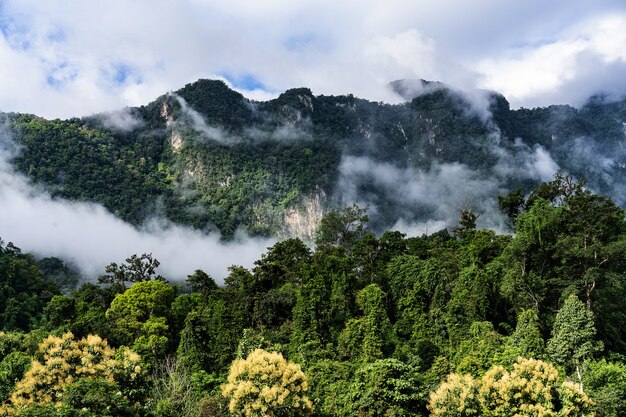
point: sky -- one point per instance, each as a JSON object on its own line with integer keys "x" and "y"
{"x": 75, "y": 58}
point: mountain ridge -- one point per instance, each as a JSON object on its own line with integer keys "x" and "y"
{"x": 207, "y": 157}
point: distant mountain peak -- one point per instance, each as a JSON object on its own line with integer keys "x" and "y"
{"x": 409, "y": 89}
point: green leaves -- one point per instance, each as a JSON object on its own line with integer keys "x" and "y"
{"x": 573, "y": 334}
{"x": 143, "y": 303}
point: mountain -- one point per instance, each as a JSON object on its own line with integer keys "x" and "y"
{"x": 208, "y": 157}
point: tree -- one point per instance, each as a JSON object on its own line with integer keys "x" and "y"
{"x": 23, "y": 290}
{"x": 365, "y": 338}
{"x": 526, "y": 340}
{"x": 605, "y": 382}
{"x": 60, "y": 311}
{"x": 530, "y": 280}
{"x": 174, "y": 393}
{"x": 457, "y": 396}
{"x": 569, "y": 240}
{"x": 512, "y": 204}
{"x": 475, "y": 354}
{"x": 136, "y": 269}
{"x": 386, "y": 387}
{"x": 12, "y": 369}
{"x": 98, "y": 397}
{"x": 341, "y": 228}
{"x": 572, "y": 341}
{"x": 210, "y": 337}
{"x": 202, "y": 282}
{"x": 266, "y": 385}
{"x": 137, "y": 311}
{"x": 531, "y": 388}
{"x": 64, "y": 361}
{"x": 467, "y": 223}
{"x": 281, "y": 264}
{"x": 55, "y": 270}
{"x": 311, "y": 312}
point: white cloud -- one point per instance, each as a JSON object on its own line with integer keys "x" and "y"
{"x": 91, "y": 237}
{"x": 561, "y": 69}
{"x": 437, "y": 194}
{"x": 533, "y": 50}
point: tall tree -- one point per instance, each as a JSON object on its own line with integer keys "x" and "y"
{"x": 136, "y": 269}
{"x": 264, "y": 384}
{"x": 342, "y": 228}
{"x": 368, "y": 337}
{"x": 573, "y": 334}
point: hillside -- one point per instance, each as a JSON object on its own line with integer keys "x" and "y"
{"x": 208, "y": 157}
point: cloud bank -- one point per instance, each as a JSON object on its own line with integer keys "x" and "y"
{"x": 90, "y": 237}
{"x": 60, "y": 61}
{"x": 423, "y": 201}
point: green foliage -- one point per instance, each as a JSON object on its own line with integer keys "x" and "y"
{"x": 141, "y": 311}
{"x": 79, "y": 161}
{"x": 281, "y": 264}
{"x": 174, "y": 392}
{"x": 210, "y": 337}
{"x": 568, "y": 240}
{"x": 386, "y": 387}
{"x": 367, "y": 338}
{"x": 136, "y": 269}
{"x": 526, "y": 341}
{"x": 342, "y": 228}
{"x": 98, "y": 397}
{"x": 376, "y": 322}
{"x": 573, "y": 337}
{"x": 56, "y": 271}
{"x": 202, "y": 282}
{"x": 605, "y": 382}
{"x": 60, "y": 312}
{"x": 12, "y": 369}
{"x": 476, "y": 354}
{"x": 23, "y": 291}
{"x": 11, "y": 342}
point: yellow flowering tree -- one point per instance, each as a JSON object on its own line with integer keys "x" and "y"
{"x": 457, "y": 396}
{"x": 265, "y": 384}
{"x": 63, "y": 361}
{"x": 531, "y": 388}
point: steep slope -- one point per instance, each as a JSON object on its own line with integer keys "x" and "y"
{"x": 208, "y": 157}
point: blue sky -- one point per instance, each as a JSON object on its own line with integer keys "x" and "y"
{"x": 64, "y": 58}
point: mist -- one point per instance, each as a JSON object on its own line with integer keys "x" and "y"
{"x": 193, "y": 118}
{"x": 122, "y": 120}
{"x": 475, "y": 102}
{"x": 419, "y": 201}
{"x": 90, "y": 237}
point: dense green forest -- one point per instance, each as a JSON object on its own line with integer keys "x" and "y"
{"x": 207, "y": 157}
{"x": 462, "y": 322}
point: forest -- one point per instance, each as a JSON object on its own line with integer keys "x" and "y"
{"x": 461, "y": 322}
{"x": 208, "y": 158}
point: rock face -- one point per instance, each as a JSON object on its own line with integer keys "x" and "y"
{"x": 301, "y": 221}
{"x": 176, "y": 141}
{"x": 166, "y": 115}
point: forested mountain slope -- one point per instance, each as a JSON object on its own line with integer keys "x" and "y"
{"x": 208, "y": 157}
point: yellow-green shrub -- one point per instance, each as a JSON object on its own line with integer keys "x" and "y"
{"x": 64, "y": 361}
{"x": 265, "y": 384}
